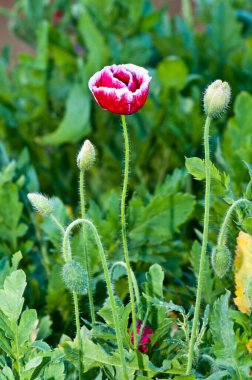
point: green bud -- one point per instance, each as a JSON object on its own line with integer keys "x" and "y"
{"x": 221, "y": 261}
{"x": 216, "y": 98}
{"x": 75, "y": 277}
{"x": 86, "y": 156}
{"x": 41, "y": 203}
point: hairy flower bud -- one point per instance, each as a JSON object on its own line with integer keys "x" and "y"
{"x": 216, "y": 98}
{"x": 221, "y": 261}
{"x": 86, "y": 156}
{"x": 41, "y": 203}
{"x": 75, "y": 277}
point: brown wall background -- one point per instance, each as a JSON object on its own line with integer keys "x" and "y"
{"x": 7, "y": 38}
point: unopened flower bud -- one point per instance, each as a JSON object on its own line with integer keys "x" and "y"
{"x": 41, "y": 203}
{"x": 221, "y": 261}
{"x": 86, "y": 156}
{"x": 75, "y": 277}
{"x": 216, "y": 98}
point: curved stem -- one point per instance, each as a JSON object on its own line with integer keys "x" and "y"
{"x": 204, "y": 245}
{"x": 108, "y": 282}
{"x": 67, "y": 254}
{"x": 87, "y": 266}
{"x": 77, "y": 321}
{"x": 222, "y": 234}
{"x": 123, "y": 222}
{"x": 133, "y": 277}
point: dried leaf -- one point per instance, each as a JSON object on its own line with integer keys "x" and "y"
{"x": 243, "y": 270}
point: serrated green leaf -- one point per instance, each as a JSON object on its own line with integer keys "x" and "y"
{"x": 162, "y": 216}
{"x": 222, "y": 329}
{"x": 26, "y": 326}
{"x": 54, "y": 371}
{"x": 11, "y": 300}
{"x": 196, "y": 167}
{"x": 33, "y": 363}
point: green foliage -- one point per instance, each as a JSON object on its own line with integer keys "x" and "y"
{"x": 46, "y": 110}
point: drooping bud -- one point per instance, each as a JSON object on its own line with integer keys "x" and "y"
{"x": 75, "y": 277}
{"x": 216, "y": 98}
{"x": 86, "y": 156}
{"x": 221, "y": 261}
{"x": 41, "y": 203}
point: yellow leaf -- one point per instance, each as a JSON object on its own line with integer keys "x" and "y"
{"x": 243, "y": 270}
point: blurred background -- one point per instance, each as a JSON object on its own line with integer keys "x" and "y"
{"x": 48, "y": 52}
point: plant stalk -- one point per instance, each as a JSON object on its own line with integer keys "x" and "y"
{"x": 67, "y": 254}
{"x": 123, "y": 222}
{"x": 108, "y": 282}
{"x": 78, "y": 330}
{"x": 223, "y": 234}
{"x": 204, "y": 245}
{"x": 86, "y": 259}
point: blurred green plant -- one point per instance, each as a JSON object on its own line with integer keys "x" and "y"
{"x": 46, "y": 111}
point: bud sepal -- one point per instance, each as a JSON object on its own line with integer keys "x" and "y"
{"x": 86, "y": 156}
{"x": 221, "y": 261}
{"x": 75, "y": 277}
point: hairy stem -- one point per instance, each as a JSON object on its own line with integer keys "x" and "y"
{"x": 67, "y": 254}
{"x": 87, "y": 266}
{"x": 203, "y": 247}
{"x": 223, "y": 230}
{"x": 108, "y": 282}
{"x": 133, "y": 277}
{"x": 78, "y": 330}
{"x": 123, "y": 222}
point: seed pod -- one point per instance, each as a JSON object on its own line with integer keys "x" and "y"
{"x": 75, "y": 277}
{"x": 86, "y": 156}
{"x": 221, "y": 261}
{"x": 41, "y": 203}
{"x": 216, "y": 98}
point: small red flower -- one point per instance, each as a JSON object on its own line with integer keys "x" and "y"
{"x": 58, "y": 16}
{"x": 121, "y": 89}
{"x": 145, "y": 337}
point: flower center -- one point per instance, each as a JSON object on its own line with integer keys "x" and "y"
{"x": 122, "y": 76}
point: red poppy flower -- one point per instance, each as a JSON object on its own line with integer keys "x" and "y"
{"x": 57, "y": 16}
{"x": 121, "y": 89}
{"x": 145, "y": 337}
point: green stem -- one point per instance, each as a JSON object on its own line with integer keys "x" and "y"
{"x": 123, "y": 222}
{"x": 204, "y": 245}
{"x": 67, "y": 254}
{"x": 62, "y": 230}
{"x": 77, "y": 321}
{"x": 134, "y": 281}
{"x": 108, "y": 282}
{"x": 87, "y": 266}
{"x": 223, "y": 230}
